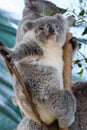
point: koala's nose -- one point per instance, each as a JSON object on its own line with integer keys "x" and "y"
{"x": 51, "y": 29}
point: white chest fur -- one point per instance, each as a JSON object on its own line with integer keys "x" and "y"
{"x": 53, "y": 56}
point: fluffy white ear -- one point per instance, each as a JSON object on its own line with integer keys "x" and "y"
{"x": 70, "y": 20}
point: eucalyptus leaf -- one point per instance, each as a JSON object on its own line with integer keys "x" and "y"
{"x": 76, "y": 61}
{"x": 63, "y": 10}
{"x": 80, "y": 1}
{"x": 86, "y": 60}
{"x": 80, "y": 73}
{"x": 82, "y": 13}
{"x": 85, "y": 31}
{"x": 79, "y": 65}
{"x": 85, "y": 68}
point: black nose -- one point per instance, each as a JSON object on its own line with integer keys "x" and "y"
{"x": 51, "y": 29}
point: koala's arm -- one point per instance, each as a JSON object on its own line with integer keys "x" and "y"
{"x": 32, "y": 48}
{"x": 23, "y": 50}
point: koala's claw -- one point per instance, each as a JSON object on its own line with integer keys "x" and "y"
{"x": 8, "y": 53}
{"x": 5, "y": 50}
{"x": 11, "y": 59}
{"x": 1, "y": 44}
{"x": 75, "y": 43}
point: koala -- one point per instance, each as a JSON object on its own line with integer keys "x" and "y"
{"x": 33, "y": 10}
{"x": 38, "y": 58}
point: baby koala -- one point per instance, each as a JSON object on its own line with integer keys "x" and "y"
{"x": 38, "y": 58}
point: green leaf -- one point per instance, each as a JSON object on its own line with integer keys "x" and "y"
{"x": 85, "y": 68}
{"x": 78, "y": 22}
{"x": 76, "y": 62}
{"x": 85, "y": 31}
{"x": 79, "y": 65}
{"x": 63, "y": 10}
{"x": 86, "y": 60}
{"x": 73, "y": 10}
{"x": 80, "y": 1}
{"x": 80, "y": 73}
{"x": 82, "y": 13}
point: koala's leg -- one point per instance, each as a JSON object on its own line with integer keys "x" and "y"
{"x": 27, "y": 124}
{"x": 64, "y": 106}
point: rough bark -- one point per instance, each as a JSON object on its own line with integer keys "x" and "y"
{"x": 67, "y": 56}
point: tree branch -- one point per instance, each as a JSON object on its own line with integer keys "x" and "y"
{"x": 67, "y": 57}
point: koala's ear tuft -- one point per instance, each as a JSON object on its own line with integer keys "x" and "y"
{"x": 70, "y": 20}
{"x": 28, "y": 25}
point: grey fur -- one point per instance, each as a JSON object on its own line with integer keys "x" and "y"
{"x": 61, "y": 103}
{"x": 43, "y": 80}
{"x": 41, "y": 6}
{"x": 33, "y": 10}
{"x": 32, "y": 42}
{"x": 80, "y": 92}
{"x": 25, "y": 49}
{"x": 38, "y": 55}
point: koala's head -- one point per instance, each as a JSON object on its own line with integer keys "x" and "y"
{"x": 48, "y": 28}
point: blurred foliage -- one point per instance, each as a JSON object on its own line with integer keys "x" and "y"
{"x": 80, "y": 22}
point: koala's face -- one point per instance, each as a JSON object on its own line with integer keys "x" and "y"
{"x": 49, "y": 28}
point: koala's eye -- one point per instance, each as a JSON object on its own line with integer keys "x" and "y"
{"x": 41, "y": 28}
{"x": 56, "y": 26}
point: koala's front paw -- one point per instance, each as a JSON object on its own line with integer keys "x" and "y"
{"x": 6, "y": 52}
{"x": 75, "y": 43}
{"x": 11, "y": 57}
{"x": 3, "y": 49}
{"x": 67, "y": 112}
